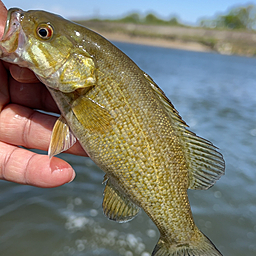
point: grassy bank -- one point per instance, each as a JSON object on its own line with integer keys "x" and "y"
{"x": 190, "y": 38}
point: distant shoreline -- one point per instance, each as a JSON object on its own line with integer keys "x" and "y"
{"x": 228, "y": 42}
{"x": 158, "y": 42}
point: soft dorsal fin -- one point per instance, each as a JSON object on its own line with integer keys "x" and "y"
{"x": 62, "y": 138}
{"x": 117, "y": 206}
{"x": 205, "y": 164}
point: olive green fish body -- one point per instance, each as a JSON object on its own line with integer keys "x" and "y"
{"x": 123, "y": 121}
{"x": 130, "y": 154}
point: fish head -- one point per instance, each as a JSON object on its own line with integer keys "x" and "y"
{"x": 38, "y": 40}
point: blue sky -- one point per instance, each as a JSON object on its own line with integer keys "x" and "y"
{"x": 188, "y": 11}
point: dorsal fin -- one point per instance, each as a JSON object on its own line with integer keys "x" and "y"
{"x": 117, "y": 206}
{"x": 205, "y": 164}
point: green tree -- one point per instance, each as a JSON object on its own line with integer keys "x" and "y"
{"x": 149, "y": 19}
{"x": 174, "y": 21}
{"x": 231, "y": 21}
{"x": 237, "y": 18}
{"x": 132, "y": 18}
{"x": 152, "y": 19}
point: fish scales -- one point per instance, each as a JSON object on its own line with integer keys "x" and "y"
{"x": 154, "y": 172}
{"x": 123, "y": 121}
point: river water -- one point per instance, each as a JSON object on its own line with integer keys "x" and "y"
{"x": 216, "y": 96}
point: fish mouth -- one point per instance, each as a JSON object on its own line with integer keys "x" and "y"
{"x": 14, "y": 17}
{"x": 13, "y": 39}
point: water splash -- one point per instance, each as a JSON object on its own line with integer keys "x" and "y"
{"x": 93, "y": 236}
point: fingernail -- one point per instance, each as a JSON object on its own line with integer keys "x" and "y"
{"x": 73, "y": 176}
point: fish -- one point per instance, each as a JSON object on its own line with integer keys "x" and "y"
{"x": 124, "y": 122}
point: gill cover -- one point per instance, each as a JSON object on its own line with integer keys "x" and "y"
{"x": 45, "y": 43}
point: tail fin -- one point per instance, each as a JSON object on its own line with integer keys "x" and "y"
{"x": 204, "y": 248}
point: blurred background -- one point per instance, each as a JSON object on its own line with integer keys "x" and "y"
{"x": 202, "y": 55}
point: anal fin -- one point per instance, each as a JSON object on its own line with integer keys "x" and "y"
{"x": 117, "y": 206}
{"x": 61, "y": 139}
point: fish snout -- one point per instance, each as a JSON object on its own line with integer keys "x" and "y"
{"x": 13, "y": 37}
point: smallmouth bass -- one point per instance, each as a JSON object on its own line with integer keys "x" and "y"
{"x": 124, "y": 122}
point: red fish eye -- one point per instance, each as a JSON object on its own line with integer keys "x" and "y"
{"x": 44, "y": 31}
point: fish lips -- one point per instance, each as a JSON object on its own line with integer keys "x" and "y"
{"x": 12, "y": 22}
{"x": 13, "y": 38}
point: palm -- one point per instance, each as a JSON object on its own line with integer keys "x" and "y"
{"x": 22, "y": 125}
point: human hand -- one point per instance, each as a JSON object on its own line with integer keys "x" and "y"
{"x": 21, "y": 125}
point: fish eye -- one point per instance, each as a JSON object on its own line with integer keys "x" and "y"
{"x": 44, "y": 31}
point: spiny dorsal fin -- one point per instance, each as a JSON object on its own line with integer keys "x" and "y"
{"x": 116, "y": 206}
{"x": 61, "y": 139}
{"x": 91, "y": 115}
{"x": 205, "y": 163}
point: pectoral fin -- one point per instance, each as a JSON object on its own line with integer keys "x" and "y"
{"x": 117, "y": 206}
{"x": 62, "y": 138}
{"x": 91, "y": 115}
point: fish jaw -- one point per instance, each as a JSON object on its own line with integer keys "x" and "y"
{"x": 13, "y": 41}
{"x": 60, "y": 62}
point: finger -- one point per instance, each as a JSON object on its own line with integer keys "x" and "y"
{"x": 23, "y": 75}
{"x": 32, "y": 95}
{"x": 4, "y": 91}
{"x": 3, "y": 15}
{"x": 29, "y": 128}
{"x": 25, "y": 167}
{"x": 27, "y": 92}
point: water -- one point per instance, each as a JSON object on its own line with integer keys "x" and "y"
{"x": 215, "y": 95}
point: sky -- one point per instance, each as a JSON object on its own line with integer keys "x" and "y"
{"x": 187, "y": 11}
